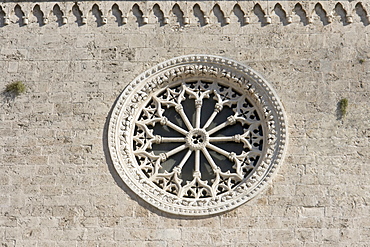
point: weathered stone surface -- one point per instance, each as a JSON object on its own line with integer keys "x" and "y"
{"x": 58, "y": 186}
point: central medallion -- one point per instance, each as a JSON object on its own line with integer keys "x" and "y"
{"x": 196, "y": 139}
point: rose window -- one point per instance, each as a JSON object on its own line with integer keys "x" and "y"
{"x": 198, "y": 139}
{"x": 197, "y": 135}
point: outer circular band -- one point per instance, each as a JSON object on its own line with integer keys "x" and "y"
{"x": 164, "y": 74}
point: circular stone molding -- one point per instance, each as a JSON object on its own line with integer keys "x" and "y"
{"x": 197, "y": 135}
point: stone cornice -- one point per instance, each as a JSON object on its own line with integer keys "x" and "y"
{"x": 146, "y": 12}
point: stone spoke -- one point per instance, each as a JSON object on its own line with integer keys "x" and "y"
{"x": 210, "y": 119}
{"x": 197, "y": 163}
{"x": 171, "y": 139}
{"x": 184, "y": 118}
{"x": 165, "y": 121}
{"x": 236, "y": 138}
{"x": 198, "y": 109}
{"x": 146, "y": 154}
{"x": 218, "y": 150}
{"x": 172, "y": 152}
{"x": 222, "y": 139}
{"x": 210, "y": 160}
{"x": 218, "y": 108}
{"x": 230, "y": 121}
{"x": 184, "y": 159}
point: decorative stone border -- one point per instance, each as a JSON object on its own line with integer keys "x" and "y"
{"x": 229, "y": 72}
{"x": 80, "y": 12}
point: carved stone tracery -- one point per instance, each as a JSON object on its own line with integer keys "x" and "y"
{"x": 197, "y": 135}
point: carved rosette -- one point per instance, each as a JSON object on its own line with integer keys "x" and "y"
{"x": 197, "y": 135}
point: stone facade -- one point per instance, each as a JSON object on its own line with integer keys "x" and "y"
{"x": 58, "y": 185}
